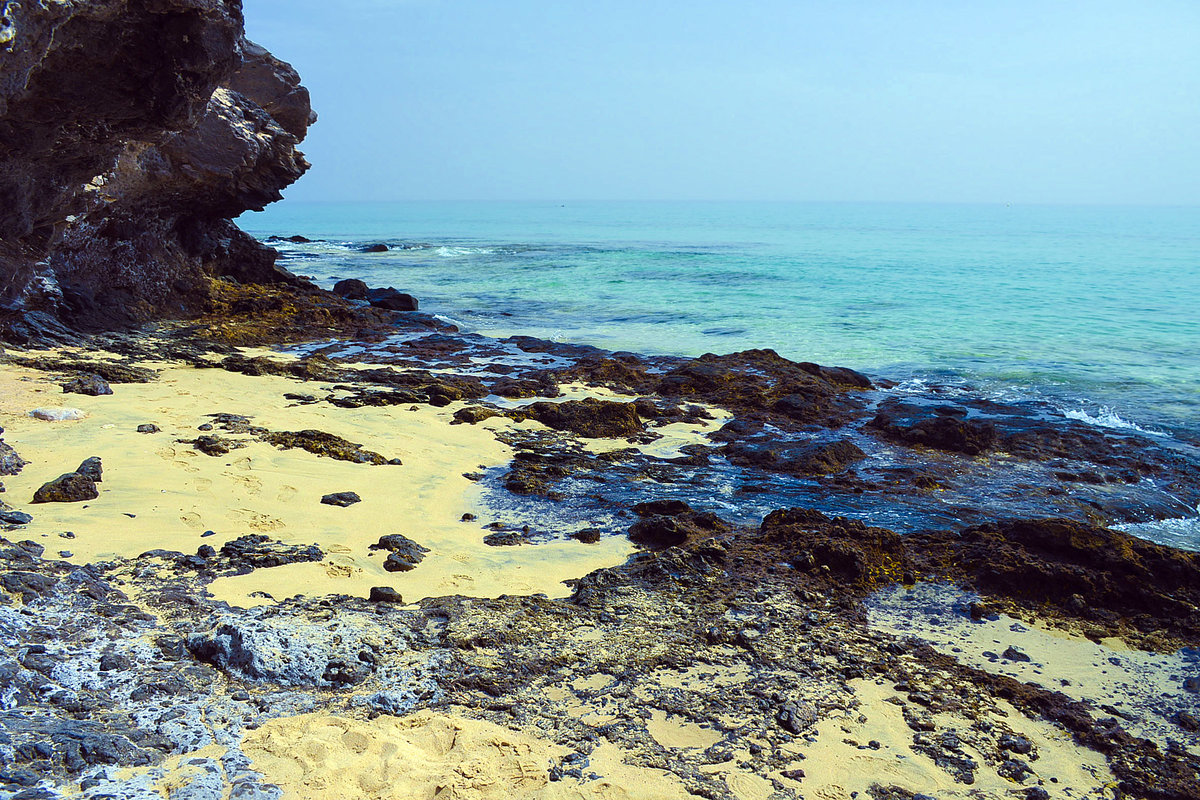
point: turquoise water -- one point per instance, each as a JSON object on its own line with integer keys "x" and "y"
{"x": 1096, "y": 307}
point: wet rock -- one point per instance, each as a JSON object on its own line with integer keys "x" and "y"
{"x": 342, "y": 499}
{"x": 587, "y": 535}
{"x": 941, "y": 427}
{"x": 804, "y": 458}
{"x": 403, "y": 553}
{"x": 661, "y": 508}
{"x": 392, "y": 299}
{"x": 92, "y": 385}
{"x": 91, "y": 468}
{"x": 69, "y": 488}
{"x": 148, "y": 427}
{"x": 385, "y": 594}
{"x": 589, "y": 417}
{"x": 374, "y": 248}
{"x": 351, "y": 289}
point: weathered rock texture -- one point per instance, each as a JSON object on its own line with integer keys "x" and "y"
{"x": 131, "y": 133}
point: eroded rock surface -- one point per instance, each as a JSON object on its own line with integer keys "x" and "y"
{"x": 130, "y": 135}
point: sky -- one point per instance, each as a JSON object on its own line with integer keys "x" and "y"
{"x": 1021, "y": 101}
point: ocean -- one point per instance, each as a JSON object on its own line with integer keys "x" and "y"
{"x": 1093, "y": 308}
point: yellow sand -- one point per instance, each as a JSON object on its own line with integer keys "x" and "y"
{"x": 176, "y": 493}
{"x": 428, "y": 755}
{"x": 835, "y": 768}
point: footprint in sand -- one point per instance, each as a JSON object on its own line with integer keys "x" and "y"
{"x": 340, "y": 570}
{"x": 192, "y": 520}
{"x": 248, "y": 483}
{"x": 286, "y": 493}
{"x": 201, "y": 484}
{"x": 258, "y": 522}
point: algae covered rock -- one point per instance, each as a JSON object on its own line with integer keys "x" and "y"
{"x": 69, "y": 488}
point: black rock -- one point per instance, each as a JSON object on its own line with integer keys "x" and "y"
{"x": 92, "y": 385}
{"x": 69, "y": 488}
{"x": 10, "y": 517}
{"x": 351, "y": 289}
{"x": 91, "y": 468}
{"x": 147, "y": 428}
{"x": 1017, "y": 744}
{"x": 342, "y": 499}
{"x": 664, "y": 508}
{"x": 385, "y": 594}
{"x": 587, "y": 535}
{"x": 374, "y": 248}
{"x": 1013, "y": 654}
{"x": 403, "y": 553}
{"x": 10, "y": 462}
{"x": 392, "y": 299}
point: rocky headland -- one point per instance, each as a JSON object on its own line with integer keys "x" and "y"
{"x": 264, "y": 540}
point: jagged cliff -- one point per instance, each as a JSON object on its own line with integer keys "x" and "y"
{"x": 132, "y": 132}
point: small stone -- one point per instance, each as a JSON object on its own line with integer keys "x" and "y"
{"x": 587, "y": 535}
{"x": 1016, "y": 744}
{"x": 69, "y": 488}
{"x": 205, "y": 427}
{"x": 65, "y": 554}
{"x": 91, "y": 468}
{"x": 468, "y": 517}
{"x": 208, "y": 533}
{"x": 385, "y": 594}
{"x": 1013, "y": 654}
{"x": 148, "y": 427}
{"x": 793, "y": 774}
{"x": 341, "y": 499}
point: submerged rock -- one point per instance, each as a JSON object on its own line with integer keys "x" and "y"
{"x": 392, "y": 299}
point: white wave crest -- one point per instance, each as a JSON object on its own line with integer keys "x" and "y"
{"x": 449, "y": 251}
{"x": 1106, "y": 417}
{"x": 1181, "y": 532}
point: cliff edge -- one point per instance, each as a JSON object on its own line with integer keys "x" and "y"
{"x": 132, "y": 132}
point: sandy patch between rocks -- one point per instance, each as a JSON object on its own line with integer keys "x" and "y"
{"x": 160, "y": 494}
{"x": 428, "y": 755}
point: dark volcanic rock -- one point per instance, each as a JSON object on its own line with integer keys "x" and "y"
{"x": 844, "y": 549}
{"x": 92, "y": 385}
{"x": 374, "y": 248}
{"x": 324, "y": 444}
{"x": 69, "y": 488}
{"x": 385, "y": 594}
{"x": 342, "y": 499}
{"x": 657, "y": 532}
{"x": 148, "y": 427}
{"x": 130, "y": 135}
{"x": 92, "y": 468}
{"x": 10, "y": 462}
{"x": 942, "y": 427}
{"x": 1053, "y": 562}
{"x": 351, "y": 289}
{"x": 392, "y": 299}
{"x": 804, "y": 458}
{"x": 403, "y": 553}
{"x": 588, "y": 417}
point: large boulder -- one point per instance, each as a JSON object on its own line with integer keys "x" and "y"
{"x": 131, "y": 134}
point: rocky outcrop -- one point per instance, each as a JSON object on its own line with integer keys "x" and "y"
{"x": 131, "y": 133}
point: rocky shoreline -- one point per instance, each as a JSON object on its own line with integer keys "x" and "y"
{"x": 302, "y": 543}
{"x": 724, "y": 658}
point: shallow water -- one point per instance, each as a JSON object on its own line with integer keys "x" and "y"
{"x": 1094, "y": 306}
{"x": 1089, "y": 308}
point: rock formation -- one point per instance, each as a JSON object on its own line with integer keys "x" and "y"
{"x": 132, "y": 132}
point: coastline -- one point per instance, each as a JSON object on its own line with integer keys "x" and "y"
{"x": 731, "y": 660}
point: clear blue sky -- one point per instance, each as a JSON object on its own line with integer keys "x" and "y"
{"x": 1042, "y": 101}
